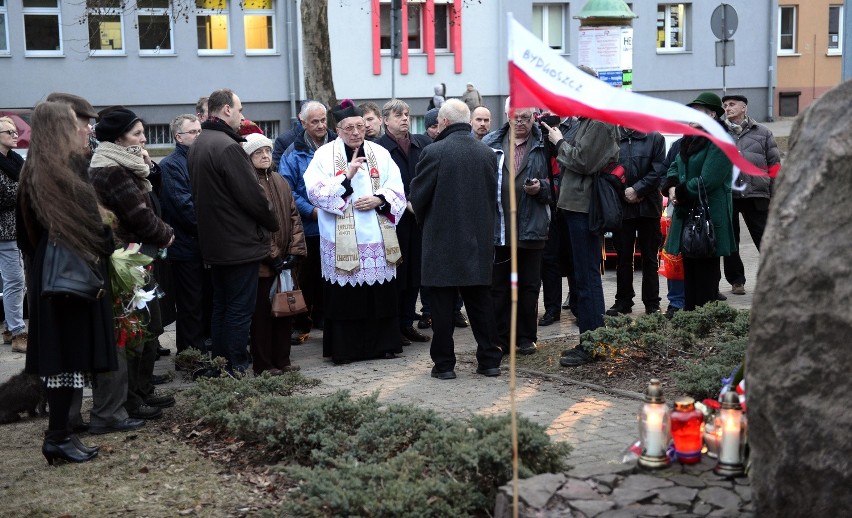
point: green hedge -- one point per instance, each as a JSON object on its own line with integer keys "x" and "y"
{"x": 359, "y": 457}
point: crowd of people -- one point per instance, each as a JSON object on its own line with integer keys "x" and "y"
{"x": 368, "y": 218}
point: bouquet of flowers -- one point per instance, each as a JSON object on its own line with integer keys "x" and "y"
{"x": 128, "y": 276}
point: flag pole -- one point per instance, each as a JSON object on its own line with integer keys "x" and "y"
{"x": 513, "y": 327}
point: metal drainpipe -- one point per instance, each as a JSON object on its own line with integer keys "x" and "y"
{"x": 773, "y": 60}
{"x": 291, "y": 61}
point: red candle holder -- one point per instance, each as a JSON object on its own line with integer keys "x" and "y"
{"x": 686, "y": 424}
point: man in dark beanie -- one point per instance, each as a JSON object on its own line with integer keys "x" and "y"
{"x": 431, "y": 123}
{"x": 234, "y": 225}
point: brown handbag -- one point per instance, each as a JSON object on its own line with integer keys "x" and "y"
{"x": 287, "y": 303}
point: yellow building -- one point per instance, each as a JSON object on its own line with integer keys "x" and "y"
{"x": 810, "y": 44}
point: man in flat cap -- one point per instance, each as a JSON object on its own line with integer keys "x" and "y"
{"x": 751, "y": 194}
{"x": 83, "y": 110}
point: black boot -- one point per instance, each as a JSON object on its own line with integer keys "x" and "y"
{"x": 82, "y": 447}
{"x": 58, "y": 445}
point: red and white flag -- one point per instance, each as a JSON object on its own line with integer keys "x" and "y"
{"x": 540, "y": 77}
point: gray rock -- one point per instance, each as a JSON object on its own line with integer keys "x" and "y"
{"x": 683, "y": 479}
{"x": 608, "y": 480}
{"x": 592, "y": 508}
{"x": 654, "y": 510}
{"x": 625, "y": 496}
{"x": 576, "y": 489}
{"x": 720, "y": 497}
{"x": 744, "y": 492}
{"x": 677, "y": 495}
{"x": 702, "y": 509}
{"x": 536, "y": 491}
{"x": 621, "y": 513}
{"x": 644, "y": 482}
{"x": 798, "y": 354}
{"x": 603, "y": 469}
{"x": 716, "y": 482}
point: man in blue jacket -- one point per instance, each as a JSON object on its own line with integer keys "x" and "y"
{"x": 184, "y": 255}
{"x": 292, "y": 167}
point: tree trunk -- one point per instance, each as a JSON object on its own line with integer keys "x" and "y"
{"x": 319, "y": 84}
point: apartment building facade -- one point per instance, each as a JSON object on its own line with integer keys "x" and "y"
{"x": 158, "y": 56}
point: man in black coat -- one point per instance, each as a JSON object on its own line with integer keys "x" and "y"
{"x": 642, "y": 155}
{"x": 454, "y": 197}
{"x": 234, "y": 224}
{"x": 405, "y": 149}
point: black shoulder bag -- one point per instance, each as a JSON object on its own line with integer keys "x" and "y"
{"x": 67, "y": 273}
{"x": 698, "y": 239}
{"x": 605, "y": 210}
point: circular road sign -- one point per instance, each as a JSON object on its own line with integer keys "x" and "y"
{"x": 724, "y": 21}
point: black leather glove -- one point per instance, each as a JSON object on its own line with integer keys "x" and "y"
{"x": 278, "y": 264}
{"x": 288, "y": 262}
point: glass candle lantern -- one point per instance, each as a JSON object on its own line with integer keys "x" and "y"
{"x": 732, "y": 437}
{"x": 686, "y": 424}
{"x": 654, "y": 427}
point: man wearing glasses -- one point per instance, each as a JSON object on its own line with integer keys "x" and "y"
{"x": 184, "y": 254}
{"x": 358, "y": 191}
{"x": 234, "y": 225}
{"x": 529, "y": 172}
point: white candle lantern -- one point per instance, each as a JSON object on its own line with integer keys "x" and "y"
{"x": 654, "y": 427}
{"x": 733, "y": 437}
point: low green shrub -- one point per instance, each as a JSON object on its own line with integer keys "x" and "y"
{"x": 709, "y": 343}
{"x": 703, "y": 379}
{"x": 358, "y": 457}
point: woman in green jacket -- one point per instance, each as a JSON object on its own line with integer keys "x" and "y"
{"x": 700, "y": 158}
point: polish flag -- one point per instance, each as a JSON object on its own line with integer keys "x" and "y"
{"x": 540, "y": 77}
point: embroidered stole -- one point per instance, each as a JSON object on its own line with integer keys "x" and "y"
{"x": 346, "y": 257}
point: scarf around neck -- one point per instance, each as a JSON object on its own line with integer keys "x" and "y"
{"x": 109, "y": 154}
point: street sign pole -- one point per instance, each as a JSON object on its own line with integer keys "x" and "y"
{"x": 724, "y": 23}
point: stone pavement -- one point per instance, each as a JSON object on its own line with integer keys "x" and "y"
{"x": 600, "y": 425}
{"x": 622, "y": 491}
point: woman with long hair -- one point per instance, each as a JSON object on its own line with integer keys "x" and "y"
{"x": 69, "y": 338}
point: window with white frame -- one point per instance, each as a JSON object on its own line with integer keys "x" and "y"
{"x": 787, "y": 29}
{"x": 548, "y": 23}
{"x": 211, "y": 19}
{"x": 106, "y": 23}
{"x": 269, "y": 128}
{"x": 416, "y": 25}
{"x": 4, "y": 32}
{"x": 672, "y": 22}
{"x": 159, "y": 135}
{"x": 42, "y": 28}
{"x": 835, "y": 29}
{"x": 154, "y": 22}
{"x": 259, "y": 22}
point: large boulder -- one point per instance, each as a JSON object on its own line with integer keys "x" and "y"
{"x": 800, "y": 344}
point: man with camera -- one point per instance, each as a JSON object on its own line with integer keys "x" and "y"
{"x": 594, "y": 146}
{"x": 531, "y": 174}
